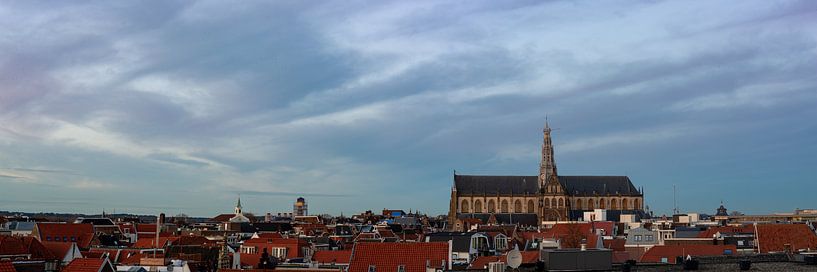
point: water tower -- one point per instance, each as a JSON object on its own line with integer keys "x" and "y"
{"x": 300, "y": 207}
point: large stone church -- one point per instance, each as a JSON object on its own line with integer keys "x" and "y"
{"x": 535, "y": 200}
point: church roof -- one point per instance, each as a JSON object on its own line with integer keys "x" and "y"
{"x": 587, "y": 185}
{"x": 519, "y": 185}
{"x": 492, "y": 185}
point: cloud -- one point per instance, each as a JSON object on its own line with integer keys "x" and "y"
{"x": 342, "y": 99}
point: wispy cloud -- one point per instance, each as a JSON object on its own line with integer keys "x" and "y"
{"x": 184, "y": 101}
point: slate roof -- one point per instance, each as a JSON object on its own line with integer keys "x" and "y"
{"x": 493, "y": 185}
{"x": 461, "y": 240}
{"x": 520, "y": 185}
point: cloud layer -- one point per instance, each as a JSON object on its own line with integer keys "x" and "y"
{"x": 181, "y": 106}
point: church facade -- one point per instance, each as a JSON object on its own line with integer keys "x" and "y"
{"x": 548, "y": 197}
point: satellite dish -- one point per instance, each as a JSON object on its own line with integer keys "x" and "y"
{"x": 514, "y": 257}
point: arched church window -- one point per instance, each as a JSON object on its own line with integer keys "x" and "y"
{"x": 531, "y": 206}
{"x": 504, "y": 206}
{"x": 491, "y": 206}
{"x": 561, "y": 203}
{"x": 547, "y": 202}
{"x": 590, "y": 204}
{"x": 579, "y": 205}
{"x": 636, "y": 205}
{"x": 477, "y": 206}
{"x": 464, "y": 207}
{"x": 602, "y": 204}
{"x": 614, "y": 204}
{"x": 624, "y": 204}
{"x": 517, "y": 206}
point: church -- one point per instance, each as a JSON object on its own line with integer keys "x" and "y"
{"x": 538, "y": 200}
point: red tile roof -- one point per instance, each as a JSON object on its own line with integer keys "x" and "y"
{"x": 87, "y": 265}
{"x": 332, "y": 256}
{"x": 710, "y": 232}
{"x": 654, "y": 254}
{"x": 59, "y": 249}
{"x": 563, "y": 231}
{"x": 222, "y": 217}
{"x": 10, "y": 245}
{"x": 388, "y": 256}
{"x": 615, "y": 244}
{"x": 774, "y": 237}
{"x": 7, "y": 267}
{"x": 528, "y": 257}
{"x": 270, "y": 235}
{"x": 294, "y": 248}
{"x": 82, "y": 234}
{"x": 150, "y": 242}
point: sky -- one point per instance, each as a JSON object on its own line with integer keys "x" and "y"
{"x": 182, "y": 106}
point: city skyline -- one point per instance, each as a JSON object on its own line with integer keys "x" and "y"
{"x": 180, "y": 107}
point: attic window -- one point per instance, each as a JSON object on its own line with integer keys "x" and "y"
{"x": 401, "y": 268}
{"x": 73, "y": 238}
{"x": 372, "y": 268}
{"x": 48, "y": 238}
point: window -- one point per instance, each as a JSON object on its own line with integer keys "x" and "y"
{"x": 464, "y": 206}
{"x": 65, "y": 238}
{"x": 248, "y": 250}
{"x": 740, "y": 242}
{"x": 531, "y": 206}
{"x": 637, "y": 238}
{"x": 517, "y": 206}
{"x": 579, "y": 204}
{"x": 478, "y": 206}
{"x": 401, "y": 268}
{"x": 664, "y": 260}
{"x": 504, "y": 206}
{"x": 279, "y": 252}
{"x": 501, "y": 242}
{"x": 648, "y": 237}
{"x": 372, "y": 268}
{"x": 48, "y": 238}
{"x": 491, "y": 206}
{"x": 602, "y": 204}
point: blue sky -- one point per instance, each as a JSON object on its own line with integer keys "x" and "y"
{"x": 179, "y": 106}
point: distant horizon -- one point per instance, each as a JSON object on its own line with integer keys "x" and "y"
{"x": 179, "y": 107}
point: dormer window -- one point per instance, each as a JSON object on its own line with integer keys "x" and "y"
{"x": 401, "y": 268}
{"x": 372, "y": 268}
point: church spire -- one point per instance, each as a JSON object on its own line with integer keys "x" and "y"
{"x": 238, "y": 205}
{"x": 547, "y": 168}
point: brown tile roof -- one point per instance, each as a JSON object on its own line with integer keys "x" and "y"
{"x": 775, "y": 237}
{"x": 388, "y": 256}
{"x": 7, "y": 267}
{"x": 87, "y": 265}
{"x": 656, "y": 253}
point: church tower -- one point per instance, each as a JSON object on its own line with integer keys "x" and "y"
{"x": 553, "y": 202}
{"x": 238, "y": 206}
